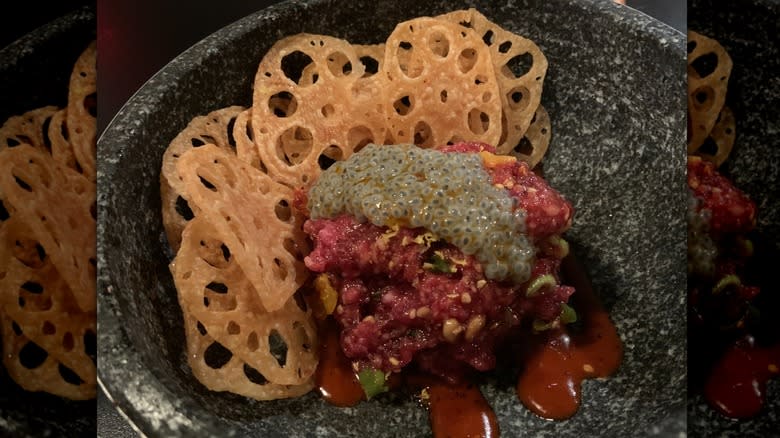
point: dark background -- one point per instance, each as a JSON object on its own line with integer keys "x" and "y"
{"x": 29, "y": 15}
{"x": 137, "y": 38}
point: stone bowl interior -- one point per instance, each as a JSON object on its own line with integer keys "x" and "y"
{"x": 35, "y": 72}
{"x": 615, "y": 93}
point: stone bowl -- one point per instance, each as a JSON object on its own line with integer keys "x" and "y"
{"x": 615, "y": 92}
{"x": 748, "y": 32}
{"x": 35, "y": 72}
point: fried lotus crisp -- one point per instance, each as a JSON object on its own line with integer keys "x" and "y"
{"x": 435, "y": 80}
{"x": 536, "y": 139}
{"x": 29, "y": 128}
{"x": 82, "y": 110}
{"x": 253, "y": 215}
{"x": 709, "y": 68}
{"x": 440, "y": 85}
{"x": 520, "y": 68}
{"x": 215, "y": 129}
{"x": 718, "y": 145}
{"x": 224, "y": 314}
{"x": 56, "y": 203}
{"x": 309, "y": 98}
{"x": 48, "y": 341}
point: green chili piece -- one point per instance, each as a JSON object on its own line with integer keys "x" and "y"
{"x": 746, "y": 247}
{"x": 561, "y": 246}
{"x": 568, "y": 315}
{"x": 538, "y": 283}
{"x": 729, "y": 280}
{"x": 540, "y": 326}
{"x": 373, "y": 382}
{"x": 438, "y": 263}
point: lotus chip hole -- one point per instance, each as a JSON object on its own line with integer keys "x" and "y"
{"x": 278, "y": 347}
{"x": 216, "y": 355}
{"x": 32, "y": 356}
{"x": 254, "y": 376}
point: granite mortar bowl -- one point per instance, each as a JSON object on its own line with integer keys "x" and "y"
{"x": 748, "y": 32}
{"x": 615, "y": 93}
{"x": 35, "y": 72}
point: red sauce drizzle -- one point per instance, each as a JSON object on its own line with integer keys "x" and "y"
{"x": 557, "y": 362}
{"x": 737, "y": 385}
{"x": 460, "y": 410}
{"x": 335, "y": 378}
{"x": 549, "y": 386}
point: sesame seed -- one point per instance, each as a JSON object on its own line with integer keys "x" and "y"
{"x": 474, "y": 326}
{"x": 423, "y": 311}
{"x": 451, "y": 329}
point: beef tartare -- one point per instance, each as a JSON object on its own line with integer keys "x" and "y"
{"x": 719, "y": 218}
{"x": 432, "y": 256}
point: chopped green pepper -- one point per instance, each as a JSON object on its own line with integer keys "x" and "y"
{"x": 437, "y": 263}
{"x": 538, "y": 283}
{"x": 568, "y": 315}
{"x": 729, "y": 280}
{"x": 373, "y": 382}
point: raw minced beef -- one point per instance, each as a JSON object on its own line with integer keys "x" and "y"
{"x": 406, "y": 296}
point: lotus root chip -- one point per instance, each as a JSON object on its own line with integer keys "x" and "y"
{"x": 709, "y": 68}
{"x": 39, "y": 308}
{"x": 235, "y": 375}
{"x": 245, "y": 143}
{"x": 57, "y": 204}
{"x": 534, "y": 144}
{"x": 30, "y": 128}
{"x": 310, "y": 93}
{"x": 61, "y": 149}
{"x": 49, "y": 374}
{"x": 82, "y": 110}
{"x": 520, "y": 68}
{"x": 718, "y": 145}
{"x": 440, "y": 85}
{"x": 368, "y": 98}
{"x": 214, "y": 128}
{"x": 229, "y": 310}
{"x": 253, "y": 217}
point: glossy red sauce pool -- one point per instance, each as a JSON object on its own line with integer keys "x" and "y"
{"x": 460, "y": 411}
{"x": 737, "y": 385}
{"x": 335, "y": 379}
{"x": 557, "y": 362}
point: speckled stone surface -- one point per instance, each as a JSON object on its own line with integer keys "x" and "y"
{"x": 615, "y": 93}
{"x": 748, "y": 31}
{"x": 34, "y": 72}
